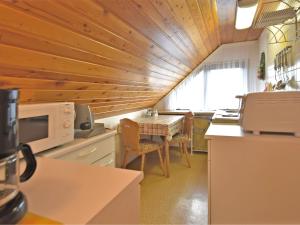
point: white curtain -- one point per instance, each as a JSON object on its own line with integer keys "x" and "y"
{"x": 212, "y": 86}
{"x": 189, "y": 94}
{"x": 223, "y": 81}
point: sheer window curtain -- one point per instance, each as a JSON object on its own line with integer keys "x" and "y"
{"x": 189, "y": 94}
{"x": 223, "y": 81}
{"x": 212, "y": 86}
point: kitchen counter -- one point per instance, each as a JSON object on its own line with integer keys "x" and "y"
{"x": 252, "y": 179}
{"x": 221, "y": 131}
{"x": 224, "y": 117}
{"x": 224, "y": 130}
{"x": 73, "y": 193}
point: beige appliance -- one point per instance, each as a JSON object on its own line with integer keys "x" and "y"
{"x": 201, "y": 123}
{"x": 271, "y": 112}
{"x": 46, "y": 125}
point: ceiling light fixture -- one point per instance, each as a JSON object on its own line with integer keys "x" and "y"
{"x": 245, "y": 14}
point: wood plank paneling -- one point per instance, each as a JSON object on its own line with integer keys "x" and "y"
{"x": 29, "y": 83}
{"x": 200, "y": 24}
{"x": 116, "y": 55}
{"x": 37, "y": 95}
{"x": 228, "y": 33}
{"x": 227, "y": 19}
{"x": 166, "y": 23}
{"x": 209, "y": 14}
{"x": 14, "y": 56}
{"x": 131, "y": 14}
{"x": 182, "y": 12}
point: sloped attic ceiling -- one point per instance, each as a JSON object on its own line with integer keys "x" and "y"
{"x": 116, "y": 55}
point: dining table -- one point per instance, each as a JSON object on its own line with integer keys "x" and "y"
{"x": 165, "y": 126}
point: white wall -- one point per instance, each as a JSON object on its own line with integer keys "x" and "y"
{"x": 113, "y": 121}
{"x": 243, "y": 50}
{"x": 272, "y": 49}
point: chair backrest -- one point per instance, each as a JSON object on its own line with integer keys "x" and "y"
{"x": 188, "y": 124}
{"x": 130, "y": 134}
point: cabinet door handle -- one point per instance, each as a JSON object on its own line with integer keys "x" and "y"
{"x": 83, "y": 154}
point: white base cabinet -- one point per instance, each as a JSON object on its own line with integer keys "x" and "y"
{"x": 97, "y": 150}
{"x": 253, "y": 179}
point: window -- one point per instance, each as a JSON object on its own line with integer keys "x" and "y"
{"x": 188, "y": 94}
{"x": 213, "y": 86}
{"x": 221, "y": 87}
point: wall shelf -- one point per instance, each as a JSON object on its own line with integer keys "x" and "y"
{"x": 275, "y": 16}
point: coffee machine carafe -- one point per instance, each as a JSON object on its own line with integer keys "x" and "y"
{"x": 13, "y": 204}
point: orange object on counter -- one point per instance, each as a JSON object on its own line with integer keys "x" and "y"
{"x": 31, "y": 218}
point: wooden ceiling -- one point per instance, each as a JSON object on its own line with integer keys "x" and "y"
{"x": 116, "y": 55}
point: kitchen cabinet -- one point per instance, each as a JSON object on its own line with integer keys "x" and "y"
{"x": 97, "y": 150}
{"x": 200, "y": 126}
{"x": 76, "y": 193}
{"x": 253, "y": 179}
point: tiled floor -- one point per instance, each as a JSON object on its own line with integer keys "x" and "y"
{"x": 180, "y": 199}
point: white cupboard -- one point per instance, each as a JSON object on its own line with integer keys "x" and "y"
{"x": 97, "y": 150}
{"x": 253, "y": 179}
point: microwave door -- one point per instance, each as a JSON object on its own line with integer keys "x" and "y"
{"x": 36, "y": 128}
{"x": 33, "y": 128}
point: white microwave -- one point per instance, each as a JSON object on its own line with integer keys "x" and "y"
{"x": 46, "y": 125}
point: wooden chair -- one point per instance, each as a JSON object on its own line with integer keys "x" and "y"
{"x": 185, "y": 137}
{"x": 130, "y": 135}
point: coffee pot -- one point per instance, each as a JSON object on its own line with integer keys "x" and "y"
{"x": 13, "y": 203}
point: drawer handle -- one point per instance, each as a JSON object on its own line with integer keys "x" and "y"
{"x": 83, "y": 154}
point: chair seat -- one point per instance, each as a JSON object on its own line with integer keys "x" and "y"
{"x": 179, "y": 138}
{"x": 149, "y": 146}
{"x": 131, "y": 139}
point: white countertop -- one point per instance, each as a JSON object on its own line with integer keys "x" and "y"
{"x": 74, "y": 193}
{"x": 235, "y": 131}
{"x": 224, "y": 130}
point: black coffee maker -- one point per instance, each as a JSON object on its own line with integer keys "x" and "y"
{"x": 13, "y": 203}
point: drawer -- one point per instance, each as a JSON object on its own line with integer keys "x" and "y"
{"x": 92, "y": 152}
{"x": 108, "y": 160}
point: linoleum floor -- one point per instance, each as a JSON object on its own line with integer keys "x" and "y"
{"x": 180, "y": 199}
